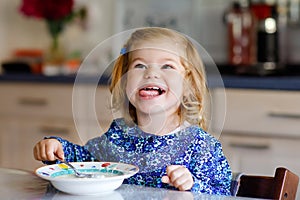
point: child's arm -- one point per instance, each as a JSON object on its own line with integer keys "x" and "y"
{"x": 52, "y": 148}
{"x": 210, "y": 169}
{"x": 74, "y": 152}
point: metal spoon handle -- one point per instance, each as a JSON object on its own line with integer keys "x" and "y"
{"x": 81, "y": 175}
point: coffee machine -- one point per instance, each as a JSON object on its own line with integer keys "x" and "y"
{"x": 268, "y": 38}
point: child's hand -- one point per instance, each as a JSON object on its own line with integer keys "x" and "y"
{"x": 48, "y": 150}
{"x": 179, "y": 177}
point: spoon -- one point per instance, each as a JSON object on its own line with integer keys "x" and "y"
{"x": 80, "y": 174}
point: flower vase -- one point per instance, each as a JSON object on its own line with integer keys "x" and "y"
{"x": 55, "y": 57}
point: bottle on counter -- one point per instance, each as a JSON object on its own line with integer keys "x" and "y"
{"x": 241, "y": 25}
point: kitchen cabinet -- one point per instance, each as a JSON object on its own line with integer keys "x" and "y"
{"x": 20, "y": 136}
{"x": 261, "y": 155}
{"x": 262, "y": 112}
{"x": 261, "y": 130}
{"x": 30, "y": 111}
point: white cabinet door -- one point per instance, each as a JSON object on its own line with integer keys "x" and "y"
{"x": 30, "y": 111}
{"x": 261, "y": 155}
{"x": 263, "y": 112}
{"x": 6, "y": 128}
{"x": 22, "y": 134}
{"x": 36, "y": 100}
{"x": 261, "y": 129}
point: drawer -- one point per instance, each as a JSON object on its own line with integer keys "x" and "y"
{"x": 267, "y": 152}
{"x": 261, "y": 112}
{"x": 22, "y": 134}
{"x": 36, "y": 100}
{"x": 55, "y": 101}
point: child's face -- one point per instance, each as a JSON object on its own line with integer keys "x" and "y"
{"x": 155, "y": 81}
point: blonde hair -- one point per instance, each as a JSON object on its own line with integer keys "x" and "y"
{"x": 193, "y": 101}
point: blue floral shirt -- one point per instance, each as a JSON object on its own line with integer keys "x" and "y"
{"x": 190, "y": 146}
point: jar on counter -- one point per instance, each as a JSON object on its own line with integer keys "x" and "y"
{"x": 241, "y": 25}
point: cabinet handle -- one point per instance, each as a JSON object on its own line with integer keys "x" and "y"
{"x": 30, "y": 101}
{"x": 284, "y": 115}
{"x": 250, "y": 146}
{"x": 54, "y": 130}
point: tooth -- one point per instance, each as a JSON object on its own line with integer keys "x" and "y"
{"x": 152, "y": 88}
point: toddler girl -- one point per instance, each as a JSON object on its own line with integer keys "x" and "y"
{"x": 159, "y": 84}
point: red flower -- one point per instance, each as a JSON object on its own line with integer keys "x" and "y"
{"x": 47, "y": 9}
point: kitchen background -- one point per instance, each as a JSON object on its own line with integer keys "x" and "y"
{"x": 261, "y": 127}
{"x": 203, "y": 20}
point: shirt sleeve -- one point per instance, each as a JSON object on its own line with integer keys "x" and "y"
{"x": 72, "y": 152}
{"x": 210, "y": 169}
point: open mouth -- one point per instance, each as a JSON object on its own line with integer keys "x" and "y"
{"x": 151, "y": 91}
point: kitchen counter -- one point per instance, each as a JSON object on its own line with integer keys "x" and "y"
{"x": 230, "y": 81}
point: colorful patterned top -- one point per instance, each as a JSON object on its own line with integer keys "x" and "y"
{"x": 190, "y": 146}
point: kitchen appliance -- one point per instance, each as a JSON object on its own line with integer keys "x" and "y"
{"x": 268, "y": 60}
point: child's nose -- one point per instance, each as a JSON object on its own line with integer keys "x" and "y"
{"x": 152, "y": 72}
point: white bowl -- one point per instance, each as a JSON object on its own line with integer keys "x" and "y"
{"x": 63, "y": 178}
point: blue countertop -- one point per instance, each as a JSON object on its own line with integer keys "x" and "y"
{"x": 230, "y": 81}
{"x": 272, "y": 82}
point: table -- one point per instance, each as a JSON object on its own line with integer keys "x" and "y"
{"x": 23, "y": 185}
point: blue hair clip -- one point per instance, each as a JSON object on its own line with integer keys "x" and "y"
{"x": 123, "y": 51}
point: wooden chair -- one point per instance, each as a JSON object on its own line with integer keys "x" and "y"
{"x": 283, "y": 186}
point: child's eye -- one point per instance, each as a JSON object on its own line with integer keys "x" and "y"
{"x": 167, "y": 66}
{"x": 140, "y": 66}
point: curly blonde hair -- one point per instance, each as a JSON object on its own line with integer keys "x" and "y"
{"x": 194, "y": 99}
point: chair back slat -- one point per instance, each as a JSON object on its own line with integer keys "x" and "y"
{"x": 286, "y": 184}
{"x": 256, "y": 186}
{"x": 283, "y": 186}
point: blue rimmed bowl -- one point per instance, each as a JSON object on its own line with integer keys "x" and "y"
{"x": 63, "y": 178}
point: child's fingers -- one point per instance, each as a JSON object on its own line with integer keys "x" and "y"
{"x": 36, "y": 153}
{"x": 171, "y": 168}
{"x": 183, "y": 183}
{"x": 180, "y": 177}
{"x": 174, "y": 171}
{"x": 49, "y": 149}
{"x": 165, "y": 179}
{"x": 39, "y": 151}
{"x": 54, "y": 150}
{"x": 60, "y": 153}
